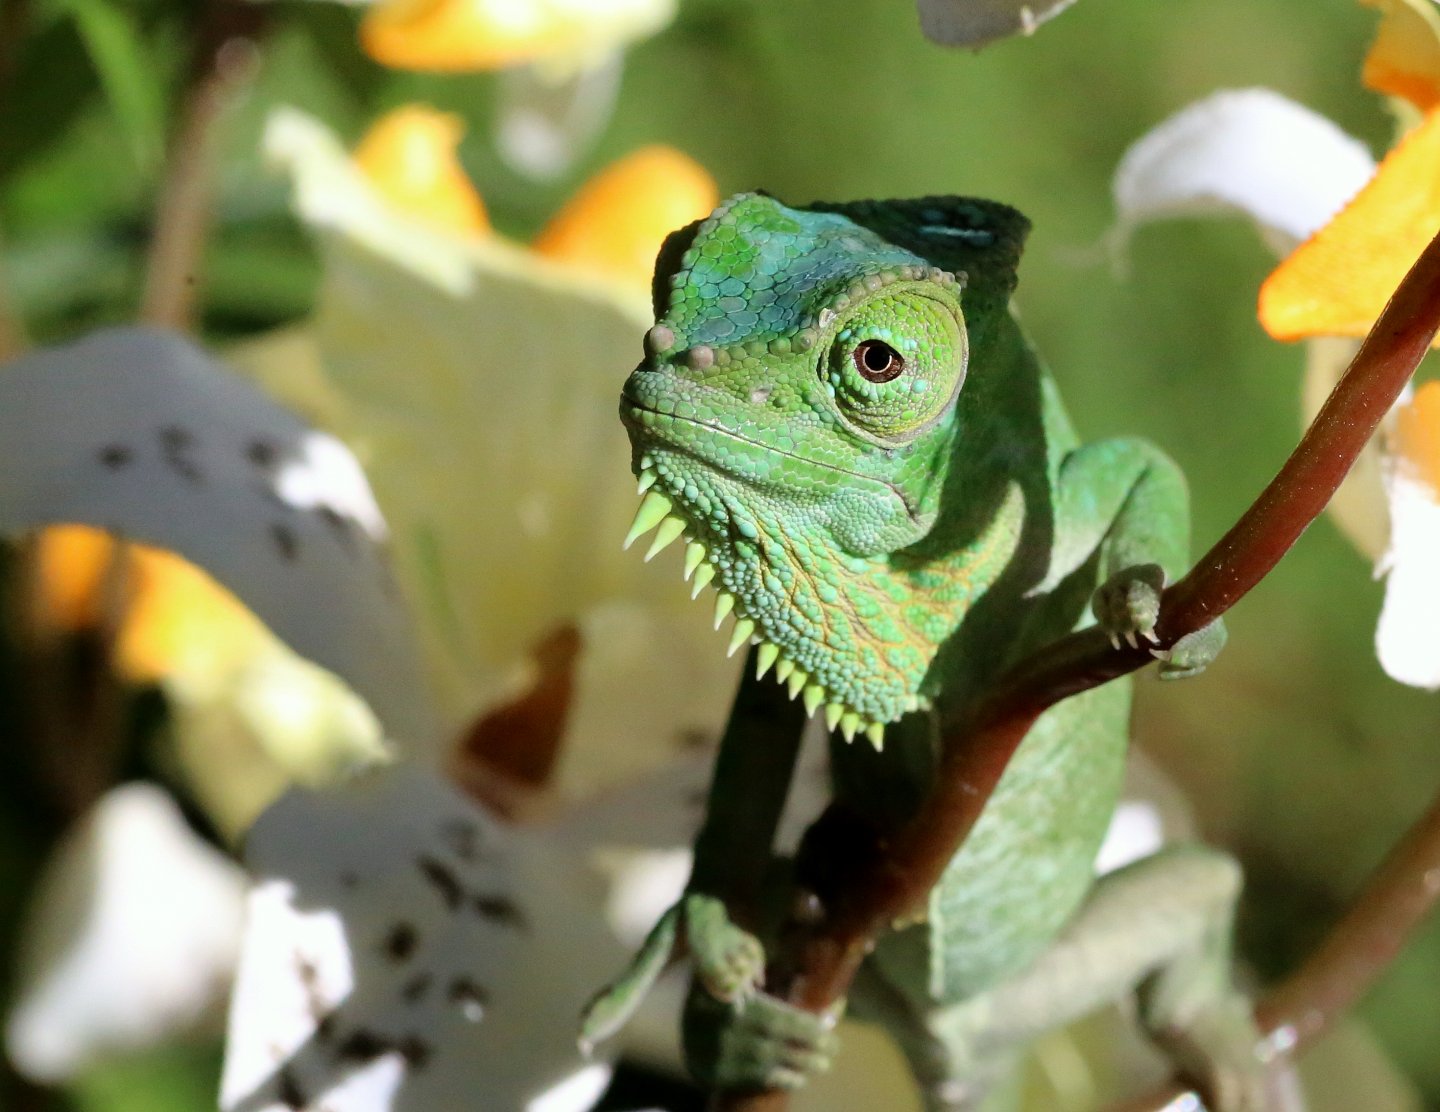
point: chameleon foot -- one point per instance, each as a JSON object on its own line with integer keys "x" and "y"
{"x": 1216, "y": 1050}
{"x": 759, "y": 1043}
{"x": 1127, "y": 606}
{"x": 729, "y": 962}
{"x": 1193, "y": 653}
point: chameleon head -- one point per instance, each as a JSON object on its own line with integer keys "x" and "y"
{"x": 791, "y": 422}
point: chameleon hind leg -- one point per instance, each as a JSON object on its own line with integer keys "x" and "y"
{"x": 1159, "y": 927}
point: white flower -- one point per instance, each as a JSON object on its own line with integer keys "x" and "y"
{"x": 132, "y": 937}
{"x": 1248, "y": 151}
{"x": 1409, "y": 629}
{"x": 977, "y": 22}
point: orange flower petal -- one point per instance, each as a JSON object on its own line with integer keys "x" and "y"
{"x": 450, "y": 36}
{"x": 1416, "y": 438}
{"x": 182, "y": 620}
{"x": 616, "y": 222}
{"x": 174, "y": 617}
{"x": 409, "y": 157}
{"x": 1336, "y": 283}
{"x": 1404, "y": 60}
{"x": 70, "y": 564}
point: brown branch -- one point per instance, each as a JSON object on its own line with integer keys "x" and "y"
{"x": 224, "y": 60}
{"x": 899, "y": 875}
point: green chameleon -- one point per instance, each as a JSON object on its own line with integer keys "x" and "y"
{"x": 872, "y": 469}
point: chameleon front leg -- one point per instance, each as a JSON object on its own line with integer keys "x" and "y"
{"x": 1130, "y": 500}
{"x": 1160, "y": 927}
{"x": 753, "y": 770}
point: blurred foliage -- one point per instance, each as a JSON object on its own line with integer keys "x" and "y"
{"x": 1296, "y": 749}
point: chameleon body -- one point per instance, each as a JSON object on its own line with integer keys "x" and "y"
{"x": 840, "y": 415}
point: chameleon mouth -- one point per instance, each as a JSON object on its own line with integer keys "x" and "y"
{"x": 659, "y": 513}
{"x": 633, "y": 414}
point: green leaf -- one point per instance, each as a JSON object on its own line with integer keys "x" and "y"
{"x": 128, "y": 74}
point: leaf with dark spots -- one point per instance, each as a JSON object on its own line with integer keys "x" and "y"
{"x": 415, "y": 1050}
{"x": 288, "y": 1091}
{"x": 462, "y": 838}
{"x": 416, "y": 987}
{"x": 471, "y": 998}
{"x": 502, "y": 910}
{"x": 286, "y": 543}
{"x": 112, "y": 457}
{"x": 363, "y": 1045}
{"x": 262, "y": 453}
{"x": 400, "y": 943}
{"x": 444, "y": 881}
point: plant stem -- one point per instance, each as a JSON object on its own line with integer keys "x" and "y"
{"x": 224, "y": 60}
{"x": 899, "y": 874}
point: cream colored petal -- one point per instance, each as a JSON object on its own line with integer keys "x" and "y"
{"x": 243, "y": 737}
{"x": 131, "y": 938}
{"x": 143, "y": 433}
{"x": 1407, "y": 639}
{"x": 1250, "y": 151}
{"x": 478, "y": 383}
{"x": 403, "y": 950}
{"x": 974, "y": 23}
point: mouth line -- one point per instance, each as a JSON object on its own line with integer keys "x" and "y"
{"x": 633, "y": 406}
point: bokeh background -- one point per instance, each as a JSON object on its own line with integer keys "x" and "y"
{"x": 1295, "y": 749}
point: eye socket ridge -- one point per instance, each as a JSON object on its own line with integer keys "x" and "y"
{"x": 877, "y": 361}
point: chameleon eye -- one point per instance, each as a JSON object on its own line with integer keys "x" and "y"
{"x": 895, "y": 363}
{"x": 877, "y": 361}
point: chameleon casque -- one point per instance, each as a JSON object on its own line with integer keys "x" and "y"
{"x": 839, "y": 413}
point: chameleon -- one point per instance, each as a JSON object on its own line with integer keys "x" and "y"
{"x": 874, "y": 474}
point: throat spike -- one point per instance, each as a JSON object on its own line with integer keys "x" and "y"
{"x": 654, "y": 508}
{"x": 849, "y": 724}
{"x": 833, "y": 711}
{"x": 703, "y": 575}
{"x": 669, "y": 532}
{"x": 796, "y": 683}
{"x": 876, "y": 733}
{"x": 765, "y": 657}
{"x": 740, "y": 636}
{"x": 814, "y": 696}
{"x": 694, "y": 553}
{"x": 783, "y": 670}
{"x": 646, "y": 481}
{"x": 724, "y": 603}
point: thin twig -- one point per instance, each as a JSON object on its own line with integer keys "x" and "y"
{"x": 898, "y": 875}
{"x": 14, "y": 339}
{"x": 224, "y": 60}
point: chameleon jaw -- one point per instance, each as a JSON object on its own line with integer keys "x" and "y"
{"x": 657, "y": 513}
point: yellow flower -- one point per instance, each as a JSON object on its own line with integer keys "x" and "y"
{"x": 611, "y": 228}
{"x": 1336, "y": 283}
{"x": 409, "y": 155}
{"x": 463, "y": 35}
{"x": 615, "y": 224}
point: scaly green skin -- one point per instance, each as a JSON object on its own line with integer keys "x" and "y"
{"x": 840, "y": 414}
